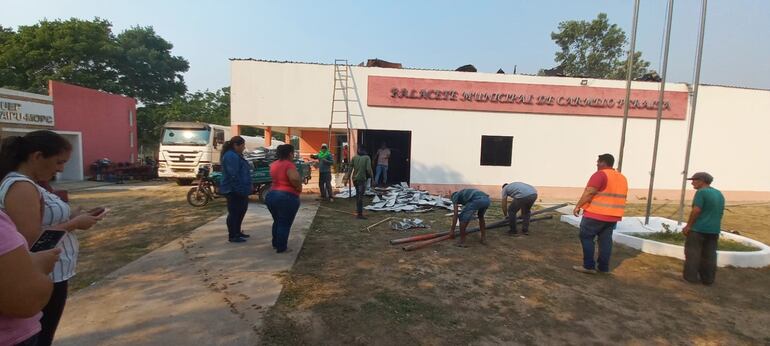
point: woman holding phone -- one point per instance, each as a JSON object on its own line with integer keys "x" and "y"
{"x": 24, "y": 285}
{"x": 38, "y": 156}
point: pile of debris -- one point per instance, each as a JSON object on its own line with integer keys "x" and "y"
{"x": 401, "y": 197}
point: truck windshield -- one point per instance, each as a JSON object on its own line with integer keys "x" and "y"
{"x": 185, "y": 137}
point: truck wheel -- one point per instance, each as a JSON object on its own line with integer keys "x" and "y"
{"x": 184, "y": 181}
{"x": 197, "y": 197}
{"x": 262, "y": 193}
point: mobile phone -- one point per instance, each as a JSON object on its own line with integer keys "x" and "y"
{"x": 96, "y": 211}
{"x": 48, "y": 240}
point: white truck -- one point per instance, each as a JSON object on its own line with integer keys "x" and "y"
{"x": 187, "y": 146}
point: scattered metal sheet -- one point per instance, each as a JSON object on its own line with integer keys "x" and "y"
{"x": 344, "y": 193}
{"x": 406, "y": 224}
{"x": 401, "y": 197}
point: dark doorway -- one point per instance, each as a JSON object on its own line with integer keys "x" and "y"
{"x": 400, "y": 145}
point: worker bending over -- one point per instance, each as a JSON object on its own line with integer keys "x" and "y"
{"x": 473, "y": 201}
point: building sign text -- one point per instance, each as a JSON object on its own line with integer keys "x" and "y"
{"x": 24, "y": 112}
{"x": 521, "y": 98}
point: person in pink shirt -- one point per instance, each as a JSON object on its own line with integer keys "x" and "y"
{"x": 382, "y": 157}
{"x": 24, "y": 285}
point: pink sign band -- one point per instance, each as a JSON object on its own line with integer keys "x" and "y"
{"x": 521, "y": 98}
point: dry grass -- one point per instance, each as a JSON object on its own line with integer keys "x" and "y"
{"x": 351, "y": 287}
{"x": 139, "y": 221}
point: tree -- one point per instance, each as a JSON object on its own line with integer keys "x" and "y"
{"x": 136, "y": 63}
{"x": 148, "y": 70}
{"x": 595, "y": 49}
{"x": 204, "y": 106}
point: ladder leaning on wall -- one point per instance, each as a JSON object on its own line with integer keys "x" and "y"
{"x": 340, "y": 114}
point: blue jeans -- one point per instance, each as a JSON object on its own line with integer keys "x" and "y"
{"x": 283, "y": 207}
{"x": 236, "y": 210}
{"x": 589, "y": 230}
{"x": 479, "y": 204}
{"x": 381, "y": 170}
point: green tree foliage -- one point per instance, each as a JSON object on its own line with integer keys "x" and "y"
{"x": 204, "y": 106}
{"x": 136, "y": 63}
{"x": 595, "y": 49}
{"x": 147, "y": 67}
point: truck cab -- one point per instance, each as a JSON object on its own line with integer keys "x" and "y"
{"x": 187, "y": 146}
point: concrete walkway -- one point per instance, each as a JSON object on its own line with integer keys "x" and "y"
{"x": 199, "y": 289}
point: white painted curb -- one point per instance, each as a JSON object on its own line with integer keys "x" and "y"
{"x": 750, "y": 259}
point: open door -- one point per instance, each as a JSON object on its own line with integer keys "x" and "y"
{"x": 400, "y": 145}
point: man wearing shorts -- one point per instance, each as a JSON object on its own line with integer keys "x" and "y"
{"x": 473, "y": 202}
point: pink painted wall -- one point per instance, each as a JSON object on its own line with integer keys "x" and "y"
{"x": 101, "y": 118}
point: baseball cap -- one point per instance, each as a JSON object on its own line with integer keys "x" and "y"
{"x": 324, "y": 145}
{"x": 702, "y": 176}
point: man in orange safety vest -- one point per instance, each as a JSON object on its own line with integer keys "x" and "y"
{"x": 603, "y": 202}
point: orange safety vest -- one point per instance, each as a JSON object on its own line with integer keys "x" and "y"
{"x": 612, "y": 200}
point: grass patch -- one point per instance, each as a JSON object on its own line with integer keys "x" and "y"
{"x": 404, "y": 309}
{"x": 139, "y": 222}
{"x": 677, "y": 238}
{"x": 349, "y": 287}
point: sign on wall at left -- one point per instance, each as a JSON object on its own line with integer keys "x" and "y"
{"x": 19, "y": 110}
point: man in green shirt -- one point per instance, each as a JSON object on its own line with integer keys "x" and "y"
{"x": 325, "y": 162}
{"x": 702, "y": 230}
{"x": 360, "y": 170}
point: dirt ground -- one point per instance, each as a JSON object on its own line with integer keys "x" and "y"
{"x": 352, "y": 287}
{"x": 139, "y": 221}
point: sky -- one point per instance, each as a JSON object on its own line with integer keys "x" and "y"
{"x": 425, "y": 34}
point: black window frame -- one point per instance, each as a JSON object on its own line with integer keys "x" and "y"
{"x": 496, "y": 151}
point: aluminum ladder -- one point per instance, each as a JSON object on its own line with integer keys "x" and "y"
{"x": 340, "y": 113}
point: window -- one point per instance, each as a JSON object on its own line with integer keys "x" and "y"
{"x": 219, "y": 137}
{"x": 131, "y": 138}
{"x": 130, "y": 118}
{"x": 496, "y": 150}
{"x": 173, "y": 136}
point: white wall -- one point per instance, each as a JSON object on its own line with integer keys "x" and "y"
{"x": 549, "y": 150}
{"x": 732, "y": 137}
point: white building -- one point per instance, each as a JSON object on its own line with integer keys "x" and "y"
{"x": 547, "y": 131}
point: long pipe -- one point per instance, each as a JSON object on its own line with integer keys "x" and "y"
{"x": 489, "y": 226}
{"x": 422, "y": 244}
{"x": 660, "y": 110}
{"x": 696, "y": 82}
{"x": 417, "y": 238}
{"x": 629, "y": 68}
{"x": 427, "y": 236}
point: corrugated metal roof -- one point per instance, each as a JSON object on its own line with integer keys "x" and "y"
{"x": 326, "y": 64}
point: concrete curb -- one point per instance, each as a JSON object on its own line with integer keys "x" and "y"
{"x": 622, "y": 235}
